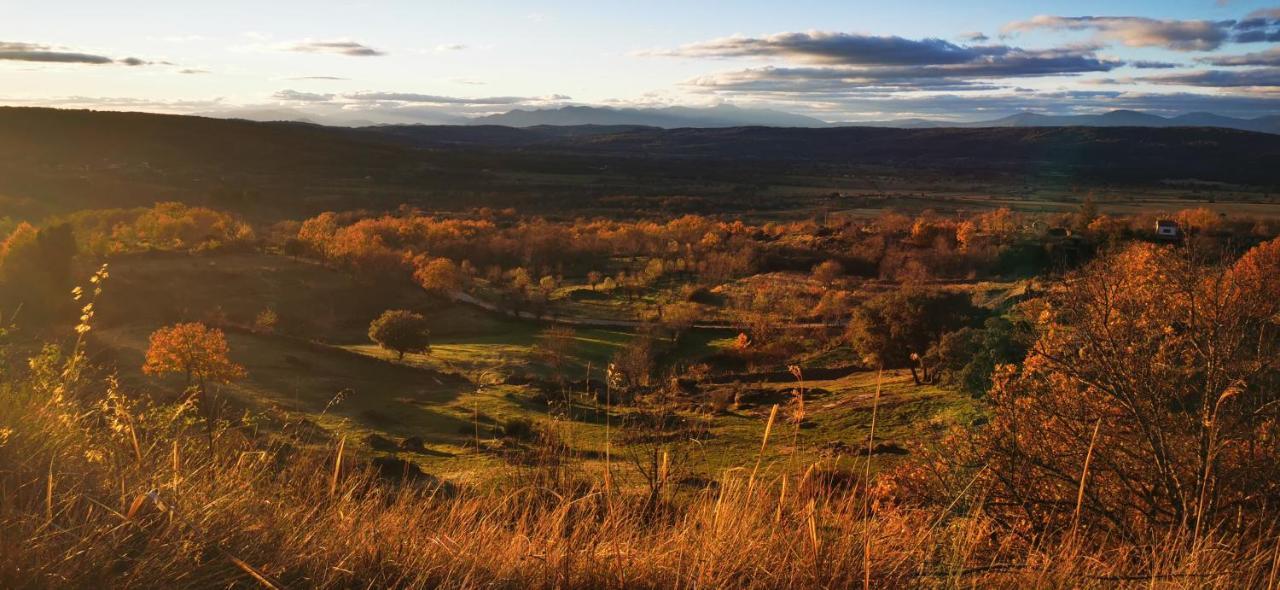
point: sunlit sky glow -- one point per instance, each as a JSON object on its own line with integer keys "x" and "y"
{"x": 837, "y": 60}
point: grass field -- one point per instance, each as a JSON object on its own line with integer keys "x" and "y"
{"x": 453, "y": 397}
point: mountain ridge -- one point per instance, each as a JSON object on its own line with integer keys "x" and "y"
{"x": 1116, "y": 118}
{"x": 666, "y": 117}
{"x": 727, "y": 115}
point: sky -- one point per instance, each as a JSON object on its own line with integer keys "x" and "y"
{"x": 836, "y": 60}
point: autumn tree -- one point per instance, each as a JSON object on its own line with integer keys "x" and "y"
{"x": 966, "y": 234}
{"x": 1085, "y": 215}
{"x": 197, "y": 352}
{"x": 828, "y": 272}
{"x": 896, "y": 329}
{"x": 1166, "y": 368}
{"x": 679, "y": 318}
{"x": 200, "y": 354}
{"x": 834, "y": 305}
{"x": 967, "y": 358}
{"x": 401, "y": 331}
{"x": 317, "y": 233}
{"x": 1199, "y": 220}
{"x": 438, "y": 275}
{"x": 35, "y": 269}
{"x": 632, "y": 366}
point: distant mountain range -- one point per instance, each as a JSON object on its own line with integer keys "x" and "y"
{"x": 1267, "y": 124}
{"x": 731, "y": 116}
{"x": 722, "y": 116}
{"x": 667, "y": 117}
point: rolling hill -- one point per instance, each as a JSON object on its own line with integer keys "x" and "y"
{"x": 59, "y": 160}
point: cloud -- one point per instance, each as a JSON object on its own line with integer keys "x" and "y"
{"x": 1259, "y": 26}
{"x": 974, "y": 75}
{"x": 1259, "y": 19}
{"x": 844, "y": 62}
{"x": 826, "y": 81}
{"x": 827, "y": 48}
{"x": 35, "y": 52}
{"x": 193, "y": 71}
{"x": 406, "y": 98}
{"x": 838, "y": 75}
{"x": 367, "y": 107}
{"x": 1152, "y": 65}
{"x": 435, "y": 99}
{"x": 318, "y": 78}
{"x": 38, "y": 52}
{"x": 974, "y": 37}
{"x": 1270, "y": 57}
{"x": 1136, "y": 31}
{"x": 336, "y": 47}
{"x": 1268, "y": 77}
{"x": 296, "y": 96}
{"x": 451, "y": 47}
{"x": 117, "y": 103}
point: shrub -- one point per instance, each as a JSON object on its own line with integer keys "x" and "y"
{"x": 1174, "y": 363}
{"x": 518, "y": 428}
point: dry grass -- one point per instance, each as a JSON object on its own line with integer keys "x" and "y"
{"x": 97, "y": 491}
{"x": 100, "y": 489}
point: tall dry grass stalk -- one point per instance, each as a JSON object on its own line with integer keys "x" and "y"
{"x": 1084, "y": 475}
{"x": 337, "y": 467}
{"x": 866, "y": 482}
{"x": 764, "y": 444}
{"x": 86, "y": 505}
{"x": 272, "y": 520}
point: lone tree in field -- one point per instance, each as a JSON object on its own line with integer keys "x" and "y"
{"x": 200, "y": 354}
{"x": 196, "y": 351}
{"x": 401, "y": 331}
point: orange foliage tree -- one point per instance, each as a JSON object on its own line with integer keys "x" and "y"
{"x": 437, "y": 275}
{"x": 200, "y": 354}
{"x": 197, "y": 352}
{"x": 1161, "y": 371}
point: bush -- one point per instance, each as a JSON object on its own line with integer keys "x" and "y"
{"x": 1162, "y": 371}
{"x": 518, "y": 428}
